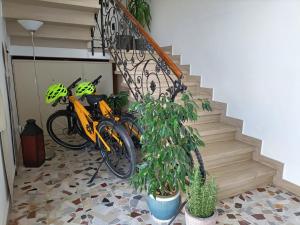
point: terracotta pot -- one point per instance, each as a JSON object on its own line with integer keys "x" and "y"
{"x": 191, "y": 220}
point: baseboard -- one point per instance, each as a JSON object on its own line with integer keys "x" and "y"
{"x": 274, "y": 164}
{"x": 293, "y": 188}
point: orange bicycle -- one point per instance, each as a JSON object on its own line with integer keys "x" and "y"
{"x": 99, "y": 107}
{"x": 76, "y": 128}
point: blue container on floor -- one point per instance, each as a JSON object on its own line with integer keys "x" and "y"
{"x": 163, "y": 208}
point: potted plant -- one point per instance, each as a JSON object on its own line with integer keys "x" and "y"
{"x": 166, "y": 148}
{"x": 140, "y": 9}
{"x": 202, "y": 199}
{"x": 118, "y": 102}
{"x": 124, "y": 41}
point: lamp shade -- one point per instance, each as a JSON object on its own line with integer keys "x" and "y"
{"x": 30, "y": 25}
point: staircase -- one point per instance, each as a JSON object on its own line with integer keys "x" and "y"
{"x": 67, "y": 23}
{"x": 229, "y": 156}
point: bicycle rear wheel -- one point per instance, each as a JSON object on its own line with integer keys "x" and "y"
{"x": 64, "y": 129}
{"x": 121, "y": 159}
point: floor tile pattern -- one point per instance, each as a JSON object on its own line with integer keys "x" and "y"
{"x": 57, "y": 193}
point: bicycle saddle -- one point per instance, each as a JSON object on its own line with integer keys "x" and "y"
{"x": 95, "y": 99}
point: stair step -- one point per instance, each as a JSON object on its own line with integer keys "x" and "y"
{"x": 223, "y": 153}
{"x": 167, "y": 49}
{"x": 197, "y": 92}
{"x": 204, "y": 117}
{"x": 88, "y": 5}
{"x": 176, "y": 58}
{"x": 209, "y": 117}
{"x": 160, "y": 74}
{"x": 165, "y": 83}
{"x": 212, "y": 132}
{"x": 213, "y": 128}
{"x": 17, "y": 10}
{"x": 52, "y": 30}
{"x": 240, "y": 177}
{"x": 196, "y": 79}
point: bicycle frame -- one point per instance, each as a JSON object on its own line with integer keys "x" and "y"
{"x": 88, "y": 124}
{"x": 108, "y": 113}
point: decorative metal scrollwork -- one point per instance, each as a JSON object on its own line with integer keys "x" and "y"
{"x": 143, "y": 70}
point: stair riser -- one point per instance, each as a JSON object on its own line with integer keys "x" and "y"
{"x": 52, "y": 31}
{"x": 162, "y": 83}
{"x": 208, "y": 119}
{"x": 237, "y": 188}
{"x": 163, "y": 90}
{"x": 197, "y": 91}
{"x": 227, "y": 160}
{"x": 49, "y": 42}
{"x": 140, "y": 71}
{"x": 146, "y": 56}
{"x": 168, "y": 49}
{"x": 194, "y": 79}
{"x": 219, "y": 137}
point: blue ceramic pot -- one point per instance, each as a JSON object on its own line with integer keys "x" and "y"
{"x": 163, "y": 208}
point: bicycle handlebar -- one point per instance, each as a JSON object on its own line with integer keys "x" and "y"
{"x": 69, "y": 92}
{"x": 96, "y": 81}
{"x": 56, "y": 102}
{"x": 74, "y": 83}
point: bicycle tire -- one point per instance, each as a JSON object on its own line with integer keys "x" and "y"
{"x": 128, "y": 144}
{"x": 59, "y": 140}
{"x": 128, "y": 121}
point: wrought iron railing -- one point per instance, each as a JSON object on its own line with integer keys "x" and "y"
{"x": 145, "y": 67}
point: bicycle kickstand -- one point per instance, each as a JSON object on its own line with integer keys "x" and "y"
{"x": 96, "y": 172}
{"x": 179, "y": 210}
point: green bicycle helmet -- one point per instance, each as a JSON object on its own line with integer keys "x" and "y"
{"x": 55, "y": 92}
{"x": 85, "y": 88}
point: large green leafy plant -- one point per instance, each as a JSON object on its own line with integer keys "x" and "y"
{"x": 166, "y": 144}
{"x": 140, "y": 9}
{"x": 202, "y": 196}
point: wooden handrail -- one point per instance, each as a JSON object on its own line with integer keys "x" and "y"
{"x": 165, "y": 57}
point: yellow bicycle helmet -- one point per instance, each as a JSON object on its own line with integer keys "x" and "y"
{"x": 85, "y": 88}
{"x": 55, "y": 92}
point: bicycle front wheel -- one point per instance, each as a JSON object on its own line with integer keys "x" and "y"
{"x": 121, "y": 157}
{"x": 63, "y": 128}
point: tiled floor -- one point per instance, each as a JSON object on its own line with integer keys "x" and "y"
{"x": 57, "y": 193}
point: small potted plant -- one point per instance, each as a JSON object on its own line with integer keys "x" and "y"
{"x": 202, "y": 199}
{"x": 166, "y": 151}
{"x": 141, "y": 10}
{"x": 118, "y": 102}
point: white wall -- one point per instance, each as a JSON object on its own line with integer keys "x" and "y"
{"x": 249, "y": 52}
{"x": 4, "y": 200}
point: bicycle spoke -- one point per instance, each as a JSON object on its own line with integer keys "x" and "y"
{"x": 59, "y": 130}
